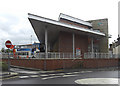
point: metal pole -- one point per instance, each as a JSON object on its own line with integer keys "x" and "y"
{"x": 31, "y": 39}
{"x": 55, "y": 55}
{"x": 73, "y": 45}
{"x": 63, "y": 60}
{"x": 46, "y": 54}
{"x": 59, "y": 55}
{"x": 8, "y": 61}
{"x": 46, "y": 43}
{"x": 92, "y": 47}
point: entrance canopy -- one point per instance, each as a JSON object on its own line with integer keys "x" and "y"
{"x": 53, "y": 27}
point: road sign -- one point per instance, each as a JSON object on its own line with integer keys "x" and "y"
{"x": 8, "y": 44}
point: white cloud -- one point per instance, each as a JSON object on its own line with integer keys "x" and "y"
{"x": 15, "y": 28}
{"x": 2, "y": 19}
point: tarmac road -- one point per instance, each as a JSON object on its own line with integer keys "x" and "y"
{"x": 69, "y": 78}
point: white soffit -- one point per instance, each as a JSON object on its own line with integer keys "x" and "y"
{"x": 35, "y": 17}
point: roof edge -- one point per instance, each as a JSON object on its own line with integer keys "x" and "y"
{"x": 64, "y": 16}
{"x": 39, "y": 18}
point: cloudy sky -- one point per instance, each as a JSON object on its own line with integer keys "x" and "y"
{"x": 14, "y": 24}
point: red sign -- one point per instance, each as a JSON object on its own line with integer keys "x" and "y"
{"x": 8, "y": 44}
{"x": 12, "y": 46}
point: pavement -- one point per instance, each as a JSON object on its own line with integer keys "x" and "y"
{"x": 44, "y": 75}
{"x": 72, "y": 76}
{"x": 22, "y": 73}
{"x": 92, "y": 69}
{"x": 83, "y": 78}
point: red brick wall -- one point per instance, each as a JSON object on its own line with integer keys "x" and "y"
{"x": 66, "y": 42}
{"x": 82, "y": 43}
{"x": 52, "y": 64}
{"x": 30, "y": 63}
{"x": 72, "y": 23}
{"x": 98, "y": 63}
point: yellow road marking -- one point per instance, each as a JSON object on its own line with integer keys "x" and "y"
{"x": 59, "y": 70}
{"x": 9, "y": 78}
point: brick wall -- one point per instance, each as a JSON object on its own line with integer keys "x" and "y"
{"x": 52, "y": 64}
{"x": 73, "y": 23}
{"x": 66, "y": 42}
{"x": 82, "y": 43}
{"x": 98, "y": 63}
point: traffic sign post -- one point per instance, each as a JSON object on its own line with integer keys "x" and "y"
{"x": 8, "y": 44}
{"x": 8, "y": 61}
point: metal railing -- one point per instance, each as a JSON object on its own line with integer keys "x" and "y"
{"x": 57, "y": 55}
{"x": 100, "y": 55}
{"x": 5, "y": 55}
{"x": 50, "y": 55}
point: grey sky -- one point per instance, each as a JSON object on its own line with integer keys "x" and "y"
{"x": 14, "y": 24}
{"x": 16, "y": 28}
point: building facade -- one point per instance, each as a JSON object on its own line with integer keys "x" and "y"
{"x": 70, "y": 34}
{"x": 102, "y": 26}
{"x": 119, "y": 45}
{"x": 115, "y": 47}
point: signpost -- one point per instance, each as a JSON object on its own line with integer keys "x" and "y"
{"x": 8, "y": 44}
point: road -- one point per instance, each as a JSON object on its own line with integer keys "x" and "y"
{"x": 83, "y": 78}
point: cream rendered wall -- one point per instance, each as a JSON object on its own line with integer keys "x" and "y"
{"x": 116, "y": 50}
{"x": 119, "y": 49}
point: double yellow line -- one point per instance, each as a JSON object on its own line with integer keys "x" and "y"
{"x": 8, "y": 78}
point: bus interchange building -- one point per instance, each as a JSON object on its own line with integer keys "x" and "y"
{"x": 71, "y": 35}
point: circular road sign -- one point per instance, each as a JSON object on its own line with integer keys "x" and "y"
{"x": 8, "y": 44}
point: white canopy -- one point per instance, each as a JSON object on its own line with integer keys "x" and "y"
{"x": 39, "y": 25}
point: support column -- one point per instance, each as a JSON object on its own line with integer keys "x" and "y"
{"x": 73, "y": 45}
{"x": 46, "y": 53}
{"x": 46, "y": 48}
{"x": 92, "y": 50}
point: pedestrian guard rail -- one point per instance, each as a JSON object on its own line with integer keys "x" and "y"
{"x": 91, "y": 55}
{"x": 57, "y": 55}
{"x": 50, "y": 55}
